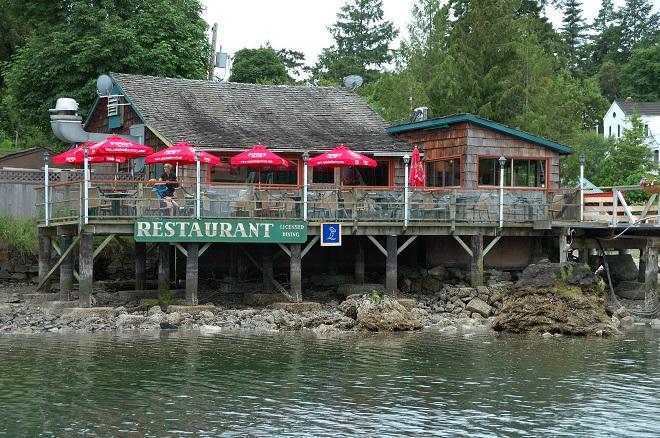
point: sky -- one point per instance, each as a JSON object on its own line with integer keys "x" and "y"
{"x": 302, "y": 24}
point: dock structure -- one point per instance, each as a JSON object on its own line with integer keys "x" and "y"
{"x": 492, "y": 196}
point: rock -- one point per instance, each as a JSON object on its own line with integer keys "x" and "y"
{"x": 622, "y": 268}
{"x": 409, "y": 304}
{"x": 405, "y": 285}
{"x": 325, "y": 329}
{"x": 305, "y": 306}
{"x": 128, "y": 320}
{"x": 616, "y": 322}
{"x": 155, "y": 310}
{"x": 546, "y": 274}
{"x": 554, "y": 313}
{"x": 258, "y": 299}
{"x": 192, "y": 310}
{"x": 547, "y": 335}
{"x": 431, "y": 284}
{"x": 655, "y": 323}
{"x": 164, "y": 325}
{"x": 627, "y": 321}
{"x": 479, "y": 306}
{"x": 4, "y": 275}
{"x": 621, "y": 312}
{"x": 483, "y": 290}
{"x": 438, "y": 271}
{"x": 631, "y": 290}
{"x": 346, "y": 290}
{"x": 18, "y": 276}
{"x": 384, "y": 314}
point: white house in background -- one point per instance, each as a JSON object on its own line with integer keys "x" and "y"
{"x": 617, "y": 120}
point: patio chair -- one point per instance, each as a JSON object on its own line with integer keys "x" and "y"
{"x": 97, "y": 204}
{"x": 269, "y": 207}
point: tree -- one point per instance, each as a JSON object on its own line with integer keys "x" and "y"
{"x": 593, "y": 147}
{"x": 259, "y": 66}
{"x": 294, "y": 62}
{"x": 640, "y": 77}
{"x": 638, "y": 24}
{"x": 84, "y": 39}
{"x": 362, "y": 38}
{"x": 630, "y": 156}
{"x": 573, "y": 32}
{"x": 608, "y": 79}
{"x": 606, "y": 17}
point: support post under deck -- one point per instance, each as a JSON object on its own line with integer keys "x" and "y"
{"x": 359, "y": 261}
{"x": 86, "y": 270}
{"x": 563, "y": 246}
{"x": 295, "y": 263}
{"x": 651, "y": 281}
{"x": 140, "y": 265}
{"x": 641, "y": 276}
{"x": 192, "y": 273}
{"x": 163, "y": 267}
{"x": 44, "y": 258}
{"x": 66, "y": 268}
{"x": 267, "y": 261}
{"x": 391, "y": 266}
{"x": 477, "y": 262}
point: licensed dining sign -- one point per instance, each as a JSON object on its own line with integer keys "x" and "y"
{"x": 219, "y": 230}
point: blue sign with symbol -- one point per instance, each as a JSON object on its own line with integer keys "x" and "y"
{"x": 331, "y": 234}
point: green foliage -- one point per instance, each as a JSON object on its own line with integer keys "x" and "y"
{"x": 600, "y": 288}
{"x": 361, "y": 42}
{"x": 78, "y": 40}
{"x": 630, "y": 157}
{"x": 164, "y": 299}
{"x": 375, "y": 296}
{"x": 638, "y": 23}
{"x": 18, "y": 235}
{"x": 260, "y": 66}
{"x": 594, "y": 147}
{"x": 640, "y": 78}
{"x": 565, "y": 273}
{"x": 574, "y": 29}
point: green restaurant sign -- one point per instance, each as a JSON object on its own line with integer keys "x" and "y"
{"x": 220, "y": 230}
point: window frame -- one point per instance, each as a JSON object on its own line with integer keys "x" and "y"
{"x": 445, "y": 158}
{"x": 509, "y": 159}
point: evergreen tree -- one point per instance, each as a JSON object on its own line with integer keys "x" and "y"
{"x": 362, "y": 38}
{"x": 606, "y": 17}
{"x": 573, "y": 32}
{"x": 638, "y": 24}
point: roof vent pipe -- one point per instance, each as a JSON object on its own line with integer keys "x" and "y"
{"x": 67, "y": 124}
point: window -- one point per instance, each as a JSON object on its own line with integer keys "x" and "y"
{"x": 646, "y": 130}
{"x": 526, "y": 173}
{"x": 618, "y": 131}
{"x": 656, "y": 155}
{"x": 367, "y": 176}
{"x": 443, "y": 173}
{"x": 610, "y": 132}
{"x": 323, "y": 175}
{"x": 235, "y": 174}
{"x": 614, "y": 115}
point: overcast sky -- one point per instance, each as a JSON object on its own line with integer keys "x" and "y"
{"x": 302, "y": 24}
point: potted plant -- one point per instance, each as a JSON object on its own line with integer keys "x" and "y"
{"x": 650, "y": 186}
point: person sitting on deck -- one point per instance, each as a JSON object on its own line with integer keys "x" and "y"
{"x": 165, "y": 187}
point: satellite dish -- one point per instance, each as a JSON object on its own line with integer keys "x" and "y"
{"x": 104, "y": 85}
{"x": 353, "y": 81}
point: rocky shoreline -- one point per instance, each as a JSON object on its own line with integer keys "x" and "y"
{"x": 548, "y": 299}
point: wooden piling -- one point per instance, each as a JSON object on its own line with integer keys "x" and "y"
{"x": 66, "y": 268}
{"x": 267, "y": 272}
{"x": 563, "y": 245}
{"x": 477, "y": 262}
{"x": 192, "y": 273}
{"x": 391, "y": 266}
{"x": 86, "y": 269}
{"x": 359, "y": 261}
{"x": 140, "y": 265}
{"x": 44, "y": 258}
{"x": 163, "y": 267}
{"x": 641, "y": 275}
{"x": 295, "y": 277}
{"x": 651, "y": 279}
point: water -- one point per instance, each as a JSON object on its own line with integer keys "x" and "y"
{"x": 237, "y": 384}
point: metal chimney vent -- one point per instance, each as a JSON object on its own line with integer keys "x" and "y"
{"x": 420, "y": 114}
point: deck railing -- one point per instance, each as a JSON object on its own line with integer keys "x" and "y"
{"x": 110, "y": 199}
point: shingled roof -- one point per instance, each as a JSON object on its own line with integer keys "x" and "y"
{"x": 642, "y": 108}
{"x": 233, "y": 116}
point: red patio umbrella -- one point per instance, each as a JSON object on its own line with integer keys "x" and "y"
{"x": 77, "y": 156}
{"x": 181, "y": 153}
{"x": 119, "y": 147}
{"x": 258, "y": 156}
{"x": 417, "y": 176}
{"x": 341, "y": 156}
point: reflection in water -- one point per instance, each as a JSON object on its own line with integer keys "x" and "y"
{"x": 181, "y": 383}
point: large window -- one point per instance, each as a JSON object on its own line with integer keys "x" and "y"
{"x": 355, "y": 176}
{"x": 443, "y": 173}
{"x": 526, "y": 173}
{"x": 266, "y": 175}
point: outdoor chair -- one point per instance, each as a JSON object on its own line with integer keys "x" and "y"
{"x": 186, "y": 202}
{"x": 153, "y": 205}
{"x": 269, "y": 207}
{"x": 97, "y": 204}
